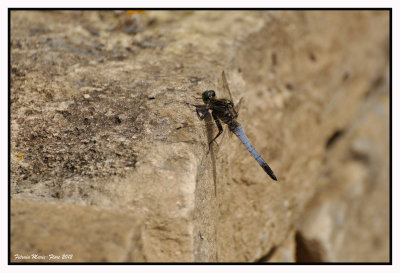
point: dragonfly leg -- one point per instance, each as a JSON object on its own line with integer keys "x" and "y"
{"x": 201, "y": 110}
{"x": 220, "y": 130}
{"x": 201, "y": 113}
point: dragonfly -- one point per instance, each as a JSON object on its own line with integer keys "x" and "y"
{"x": 223, "y": 110}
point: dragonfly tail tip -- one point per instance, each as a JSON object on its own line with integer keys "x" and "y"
{"x": 268, "y": 170}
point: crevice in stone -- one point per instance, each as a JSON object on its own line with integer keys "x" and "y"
{"x": 266, "y": 257}
{"x": 331, "y": 140}
{"x": 376, "y": 85}
{"x": 308, "y": 251}
{"x": 360, "y": 156}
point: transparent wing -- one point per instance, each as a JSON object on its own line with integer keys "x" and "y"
{"x": 227, "y": 92}
{"x": 225, "y": 87}
{"x": 237, "y": 106}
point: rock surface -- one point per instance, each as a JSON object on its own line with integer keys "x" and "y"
{"x": 109, "y": 164}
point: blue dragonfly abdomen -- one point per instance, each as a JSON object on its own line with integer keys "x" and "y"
{"x": 239, "y": 132}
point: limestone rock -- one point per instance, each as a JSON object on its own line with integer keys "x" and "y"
{"x": 107, "y": 152}
{"x": 48, "y": 232}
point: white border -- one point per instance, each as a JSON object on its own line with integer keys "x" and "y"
{"x": 193, "y": 4}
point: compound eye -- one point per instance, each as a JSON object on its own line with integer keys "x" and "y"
{"x": 207, "y": 95}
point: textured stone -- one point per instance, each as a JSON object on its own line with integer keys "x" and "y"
{"x": 98, "y": 119}
{"x": 47, "y": 232}
{"x": 347, "y": 218}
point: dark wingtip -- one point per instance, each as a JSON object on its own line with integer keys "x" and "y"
{"x": 268, "y": 170}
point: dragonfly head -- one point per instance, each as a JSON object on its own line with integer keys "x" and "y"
{"x": 208, "y": 95}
